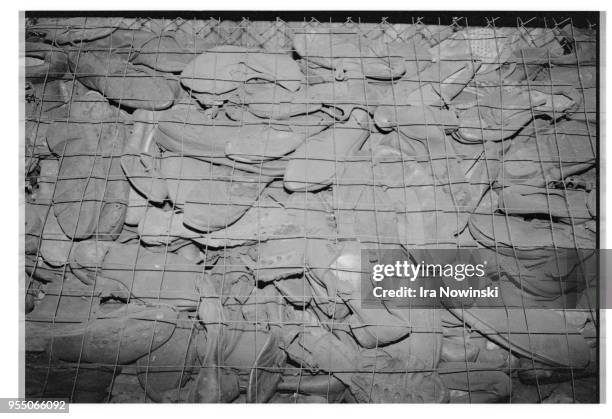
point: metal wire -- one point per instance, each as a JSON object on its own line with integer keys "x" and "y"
{"x": 241, "y": 310}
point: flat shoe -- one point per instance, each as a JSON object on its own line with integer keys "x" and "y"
{"x": 538, "y": 334}
{"x": 491, "y": 46}
{"x": 267, "y": 219}
{"x": 224, "y": 68}
{"x": 137, "y": 206}
{"x": 193, "y": 133}
{"x": 427, "y": 214}
{"x": 159, "y": 227}
{"x": 54, "y": 246}
{"x": 119, "y": 337}
{"x": 266, "y": 372}
{"x": 91, "y": 193}
{"x": 481, "y": 382}
{"x": 168, "y": 367}
{"x": 349, "y": 52}
{"x": 525, "y": 200}
{"x": 529, "y": 240}
{"x": 54, "y": 65}
{"x": 136, "y": 87}
{"x": 74, "y": 29}
{"x": 313, "y": 165}
{"x": 562, "y": 150}
{"x": 499, "y": 116}
{"x": 140, "y": 167}
{"x": 153, "y": 278}
{"x": 165, "y": 53}
{"x": 220, "y": 201}
{"x": 428, "y": 125}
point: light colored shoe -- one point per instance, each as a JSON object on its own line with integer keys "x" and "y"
{"x": 132, "y": 86}
{"x": 544, "y": 153}
{"x": 116, "y": 338}
{"x": 538, "y": 334}
{"x": 224, "y": 68}
{"x": 569, "y": 205}
{"x": 139, "y": 274}
{"x": 313, "y": 166}
{"x": 349, "y": 53}
{"x": 91, "y": 193}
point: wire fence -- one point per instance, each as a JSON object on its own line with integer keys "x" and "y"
{"x": 199, "y": 194}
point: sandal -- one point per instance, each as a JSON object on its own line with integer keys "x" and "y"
{"x": 140, "y": 167}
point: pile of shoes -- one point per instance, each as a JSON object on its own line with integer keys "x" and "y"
{"x": 196, "y": 212}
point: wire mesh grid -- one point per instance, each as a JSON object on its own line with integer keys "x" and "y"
{"x": 199, "y": 193}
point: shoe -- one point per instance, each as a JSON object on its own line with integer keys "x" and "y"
{"x": 91, "y": 193}
{"x": 584, "y": 82}
{"x": 528, "y": 240}
{"x": 568, "y": 205}
{"x": 159, "y": 227}
{"x": 54, "y": 246}
{"x": 267, "y": 371}
{"x": 338, "y": 99}
{"x": 261, "y": 141}
{"x": 313, "y": 165}
{"x": 136, "y": 87}
{"x": 481, "y": 382}
{"x": 165, "y": 53}
{"x": 139, "y": 163}
{"x": 137, "y": 207}
{"x": 537, "y": 334}
{"x": 221, "y": 200}
{"x": 193, "y": 133}
{"x": 348, "y": 53}
{"x": 362, "y": 208}
{"x": 224, "y": 68}
{"x": 277, "y": 260}
{"x": 302, "y": 215}
{"x": 580, "y": 47}
{"x": 543, "y": 153}
{"x": 182, "y": 174}
{"x": 429, "y": 125}
{"x": 37, "y": 210}
{"x": 500, "y": 115}
{"x": 169, "y": 367}
{"x": 493, "y": 47}
{"x": 153, "y": 278}
{"x": 395, "y": 380}
{"x": 75, "y": 29}
{"x": 448, "y": 78}
{"x": 429, "y": 213}
{"x": 272, "y": 101}
{"x": 53, "y": 66}
{"x": 116, "y": 338}
{"x": 34, "y": 223}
